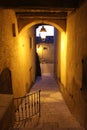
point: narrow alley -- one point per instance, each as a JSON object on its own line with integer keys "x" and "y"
{"x": 57, "y": 101}
{"x": 55, "y": 114}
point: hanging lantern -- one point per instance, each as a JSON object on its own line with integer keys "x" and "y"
{"x": 43, "y": 33}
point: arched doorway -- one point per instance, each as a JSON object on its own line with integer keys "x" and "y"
{"x": 61, "y": 45}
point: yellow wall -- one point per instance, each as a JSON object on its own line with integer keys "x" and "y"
{"x": 76, "y": 50}
{"x": 16, "y": 54}
{"x": 70, "y": 50}
{"x": 26, "y": 63}
{"x": 46, "y": 55}
{"x": 61, "y": 56}
{"x": 45, "y": 52}
{"x": 7, "y": 41}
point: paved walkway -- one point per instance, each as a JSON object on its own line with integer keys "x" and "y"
{"x": 55, "y": 115}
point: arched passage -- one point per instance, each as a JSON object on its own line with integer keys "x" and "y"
{"x": 61, "y": 47}
{"x": 60, "y": 25}
{"x": 27, "y": 23}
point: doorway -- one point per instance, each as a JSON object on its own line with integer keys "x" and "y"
{"x": 45, "y": 50}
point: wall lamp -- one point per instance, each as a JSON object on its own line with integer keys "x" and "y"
{"x": 43, "y": 33}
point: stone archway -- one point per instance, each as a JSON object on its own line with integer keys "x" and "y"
{"x": 59, "y": 25}
{"x": 24, "y": 24}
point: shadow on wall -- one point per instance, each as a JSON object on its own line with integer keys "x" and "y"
{"x": 38, "y": 69}
{"x": 84, "y": 78}
{"x": 5, "y": 82}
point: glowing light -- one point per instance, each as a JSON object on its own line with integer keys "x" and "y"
{"x": 43, "y": 35}
{"x": 49, "y": 29}
{"x": 63, "y": 57}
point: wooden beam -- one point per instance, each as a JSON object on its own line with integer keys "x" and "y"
{"x": 40, "y": 15}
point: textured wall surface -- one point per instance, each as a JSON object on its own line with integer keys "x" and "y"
{"x": 25, "y": 62}
{"x": 45, "y": 52}
{"x": 76, "y": 50}
{"x": 16, "y": 52}
{"x": 6, "y": 111}
{"x": 7, "y": 41}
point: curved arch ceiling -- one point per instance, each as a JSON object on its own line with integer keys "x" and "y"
{"x": 40, "y": 22}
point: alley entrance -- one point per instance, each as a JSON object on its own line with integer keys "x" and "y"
{"x": 45, "y": 48}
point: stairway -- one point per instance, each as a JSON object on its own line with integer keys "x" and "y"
{"x": 27, "y": 110}
{"x": 54, "y": 114}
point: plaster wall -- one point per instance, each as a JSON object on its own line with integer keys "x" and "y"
{"x": 7, "y": 41}
{"x": 60, "y": 60}
{"x": 26, "y": 63}
{"x": 76, "y": 49}
{"x": 46, "y": 56}
{"x": 16, "y": 52}
{"x": 45, "y": 52}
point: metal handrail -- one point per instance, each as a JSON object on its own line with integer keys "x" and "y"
{"x": 27, "y": 106}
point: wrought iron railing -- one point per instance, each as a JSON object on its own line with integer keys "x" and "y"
{"x": 28, "y": 106}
